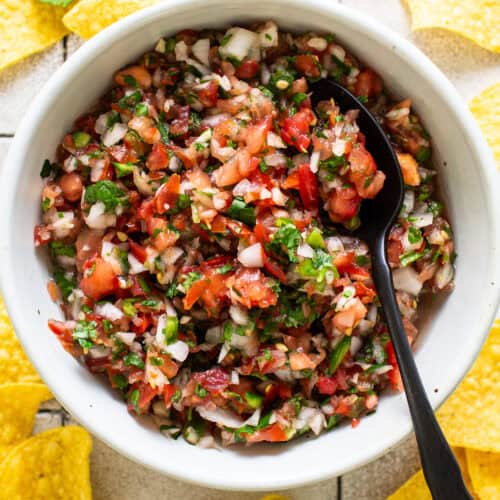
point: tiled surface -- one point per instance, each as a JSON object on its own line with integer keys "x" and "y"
{"x": 114, "y": 477}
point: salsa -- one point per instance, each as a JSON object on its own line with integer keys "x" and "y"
{"x": 191, "y": 220}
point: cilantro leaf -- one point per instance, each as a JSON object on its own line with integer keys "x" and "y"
{"x": 239, "y": 210}
{"x": 286, "y": 240}
{"x": 66, "y": 285}
{"x": 106, "y": 192}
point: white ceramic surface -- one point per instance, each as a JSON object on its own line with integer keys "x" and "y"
{"x": 450, "y": 340}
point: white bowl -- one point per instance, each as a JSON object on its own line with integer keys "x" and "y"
{"x": 451, "y": 337}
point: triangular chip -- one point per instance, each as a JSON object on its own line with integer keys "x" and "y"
{"x": 27, "y": 27}
{"x": 414, "y": 489}
{"x": 478, "y": 20}
{"x": 18, "y": 406}
{"x": 14, "y": 364}
{"x": 469, "y": 418}
{"x": 88, "y": 17}
{"x": 486, "y": 110}
{"x": 53, "y": 465}
{"x": 462, "y": 461}
{"x": 484, "y": 470}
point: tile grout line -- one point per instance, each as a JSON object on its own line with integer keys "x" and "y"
{"x": 6, "y": 136}
{"x": 339, "y": 488}
{"x": 65, "y": 47}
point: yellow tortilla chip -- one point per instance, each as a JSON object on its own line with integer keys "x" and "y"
{"x": 469, "y": 418}
{"x": 18, "y": 406}
{"x": 88, "y": 17}
{"x": 414, "y": 489}
{"x": 486, "y": 110}
{"x": 462, "y": 461}
{"x": 53, "y": 465}
{"x": 14, "y": 364}
{"x": 27, "y": 27}
{"x": 478, "y": 20}
{"x": 275, "y": 496}
{"x": 484, "y": 469}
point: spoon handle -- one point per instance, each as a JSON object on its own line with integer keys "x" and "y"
{"x": 441, "y": 470}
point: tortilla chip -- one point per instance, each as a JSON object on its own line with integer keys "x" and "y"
{"x": 477, "y": 20}
{"x": 18, "y": 406}
{"x": 484, "y": 469}
{"x": 52, "y": 465}
{"x": 469, "y": 418}
{"x": 460, "y": 455}
{"x": 14, "y": 364}
{"x": 88, "y": 17}
{"x": 414, "y": 489}
{"x": 27, "y": 27}
{"x": 486, "y": 110}
{"x": 275, "y": 496}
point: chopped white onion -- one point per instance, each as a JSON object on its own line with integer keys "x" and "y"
{"x": 405, "y": 279}
{"x": 313, "y": 164}
{"x": 275, "y": 141}
{"x": 178, "y": 350}
{"x": 356, "y": 344}
{"x": 126, "y": 337}
{"x": 114, "y": 134}
{"x": 317, "y": 43}
{"x": 63, "y": 223}
{"x": 214, "y": 120}
{"x": 181, "y": 51}
{"x": 97, "y": 217}
{"x": 136, "y": 266}
{"x": 223, "y": 352}
{"x": 254, "y": 418}
{"x": 142, "y": 182}
{"x": 334, "y": 244}
{"x": 252, "y": 256}
{"x": 161, "y": 46}
{"x": 275, "y": 159}
{"x": 201, "y": 50}
{"x": 220, "y": 416}
{"x": 305, "y": 250}
{"x": 421, "y": 219}
{"x": 101, "y": 124}
{"x": 278, "y": 197}
{"x": 238, "y": 314}
{"x": 383, "y": 369}
{"x": 408, "y": 203}
{"x": 99, "y": 351}
{"x": 171, "y": 255}
{"x": 235, "y": 377}
{"x": 239, "y": 43}
{"x": 444, "y": 275}
{"x": 312, "y": 418}
{"x": 109, "y": 311}
{"x": 268, "y": 35}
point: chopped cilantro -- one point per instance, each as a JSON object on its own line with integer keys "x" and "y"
{"x": 59, "y": 248}
{"x": 123, "y": 169}
{"x": 106, "y": 192}
{"x": 85, "y": 333}
{"x": 142, "y": 109}
{"x": 190, "y": 279}
{"x": 66, "y": 285}
{"x": 239, "y": 210}
{"x": 414, "y": 235}
{"x": 263, "y": 166}
{"x": 299, "y": 98}
{"x": 120, "y": 381}
{"x": 134, "y": 400}
{"x": 333, "y": 163}
{"x": 133, "y": 359}
{"x": 423, "y": 154}
{"x": 172, "y": 291}
{"x": 281, "y": 75}
{"x": 130, "y": 101}
{"x": 48, "y": 169}
{"x": 200, "y": 391}
{"x": 226, "y": 268}
{"x": 286, "y": 239}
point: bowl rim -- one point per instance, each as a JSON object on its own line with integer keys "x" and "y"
{"x": 446, "y": 91}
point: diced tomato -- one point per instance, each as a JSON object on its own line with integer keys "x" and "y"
{"x": 355, "y": 422}
{"x": 343, "y": 408}
{"x": 326, "y": 385}
{"x": 141, "y": 323}
{"x": 146, "y": 210}
{"x": 167, "y": 195}
{"x": 220, "y": 260}
{"x": 261, "y": 233}
{"x": 292, "y": 181}
{"x": 308, "y": 65}
{"x": 168, "y": 391}
{"x": 194, "y": 293}
{"x": 368, "y": 84}
{"x": 394, "y": 375}
{"x": 240, "y": 166}
{"x": 272, "y": 433}
{"x": 308, "y": 188}
{"x": 274, "y": 269}
{"x": 252, "y": 288}
{"x": 301, "y": 361}
{"x": 99, "y": 279}
{"x": 409, "y": 169}
{"x": 42, "y": 235}
{"x": 158, "y": 158}
{"x": 295, "y": 129}
{"x": 363, "y": 172}
{"x": 122, "y": 154}
{"x": 347, "y": 319}
{"x": 343, "y": 204}
{"x": 146, "y": 395}
{"x": 64, "y": 334}
{"x": 247, "y": 69}
{"x": 136, "y": 289}
{"x": 215, "y": 379}
{"x": 207, "y": 94}
{"x": 138, "y": 251}
{"x": 365, "y": 293}
{"x": 257, "y": 135}
{"x": 179, "y": 127}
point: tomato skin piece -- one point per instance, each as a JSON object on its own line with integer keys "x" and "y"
{"x": 343, "y": 204}
{"x": 368, "y": 84}
{"x": 146, "y": 395}
{"x": 308, "y": 187}
{"x": 215, "y": 379}
{"x": 274, "y": 269}
{"x": 295, "y": 129}
{"x": 194, "y": 293}
{"x": 158, "y": 159}
{"x": 326, "y": 385}
{"x": 168, "y": 392}
{"x": 101, "y": 281}
{"x": 208, "y": 94}
{"x": 247, "y": 69}
{"x": 308, "y": 64}
{"x": 166, "y": 197}
{"x": 138, "y": 251}
{"x": 257, "y": 135}
{"x": 394, "y": 375}
{"x": 272, "y": 433}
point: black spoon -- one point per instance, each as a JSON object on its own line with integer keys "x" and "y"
{"x": 441, "y": 470}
